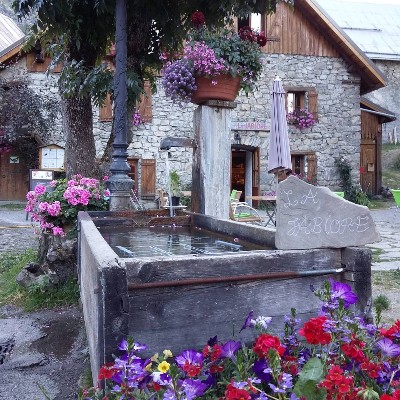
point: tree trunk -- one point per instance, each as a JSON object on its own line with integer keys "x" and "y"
{"x": 80, "y": 149}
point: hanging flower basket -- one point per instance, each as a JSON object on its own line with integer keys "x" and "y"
{"x": 219, "y": 87}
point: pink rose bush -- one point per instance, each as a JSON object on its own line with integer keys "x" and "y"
{"x": 57, "y": 206}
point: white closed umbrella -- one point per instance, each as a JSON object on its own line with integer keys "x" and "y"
{"x": 279, "y": 150}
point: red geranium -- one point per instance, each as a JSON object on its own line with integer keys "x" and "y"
{"x": 314, "y": 331}
{"x": 233, "y": 393}
{"x": 265, "y": 342}
{"x": 393, "y": 331}
{"x": 353, "y": 350}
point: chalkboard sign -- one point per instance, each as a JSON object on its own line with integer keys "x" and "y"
{"x": 40, "y": 177}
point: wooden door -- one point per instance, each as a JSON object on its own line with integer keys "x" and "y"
{"x": 14, "y": 177}
{"x": 368, "y": 167}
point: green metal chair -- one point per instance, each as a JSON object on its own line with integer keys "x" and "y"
{"x": 340, "y": 194}
{"x": 396, "y": 196}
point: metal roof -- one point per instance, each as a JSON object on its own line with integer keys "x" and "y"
{"x": 374, "y": 27}
{"x": 10, "y": 34}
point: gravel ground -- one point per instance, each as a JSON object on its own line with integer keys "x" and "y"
{"x": 50, "y": 351}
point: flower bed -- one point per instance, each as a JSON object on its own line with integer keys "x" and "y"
{"x": 335, "y": 355}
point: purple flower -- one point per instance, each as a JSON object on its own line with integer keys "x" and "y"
{"x": 191, "y": 357}
{"x": 262, "y": 370}
{"x": 388, "y": 347}
{"x": 193, "y": 388}
{"x": 342, "y": 291}
{"x": 230, "y": 348}
{"x": 247, "y": 322}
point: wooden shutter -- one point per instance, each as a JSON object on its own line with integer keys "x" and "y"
{"x": 313, "y": 103}
{"x": 145, "y": 106}
{"x": 33, "y": 66}
{"x": 105, "y": 111}
{"x": 148, "y": 179}
{"x": 312, "y": 167}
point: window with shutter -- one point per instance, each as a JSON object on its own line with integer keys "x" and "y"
{"x": 40, "y": 64}
{"x": 305, "y": 164}
{"x": 148, "y": 179}
{"x": 145, "y": 106}
{"x": 105, "y": 110}
{"x": 298, "y": 98}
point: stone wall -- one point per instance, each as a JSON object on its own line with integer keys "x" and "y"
{"x": 388, "y": 97}
{"x": 337, "y": 133}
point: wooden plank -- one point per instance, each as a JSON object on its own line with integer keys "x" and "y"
{"x": 188, "y": 317}
{"x": 148, "y": 178}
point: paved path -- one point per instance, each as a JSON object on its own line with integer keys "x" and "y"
{"x": 389, "y": 246}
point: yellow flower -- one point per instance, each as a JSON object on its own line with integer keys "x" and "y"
{"x": 148, "y": 367}
{"x": 163, "y": 366}
{"x": 167, "y": 353}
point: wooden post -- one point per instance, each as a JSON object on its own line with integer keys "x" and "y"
{"x": 212, "y": 158}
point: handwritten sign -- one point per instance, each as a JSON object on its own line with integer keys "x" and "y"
{"x": 314, "y": 217}
{"x": 251, "y": 126}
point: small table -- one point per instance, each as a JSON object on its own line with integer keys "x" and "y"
{"x": 172, "y": 209}
{"x": 268, "y": 204}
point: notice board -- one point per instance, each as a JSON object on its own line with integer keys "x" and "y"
{"x": 40, "y": 177}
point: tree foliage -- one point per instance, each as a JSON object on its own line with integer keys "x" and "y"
{"x": 80, "y": 32}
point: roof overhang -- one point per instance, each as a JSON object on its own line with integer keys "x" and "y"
{"x": 371, "y": 77}
{"x": 11, "y": 50}
{"x": 373, "y": 108}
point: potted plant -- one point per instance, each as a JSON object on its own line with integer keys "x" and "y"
{"x": 301, "y": 118}
{"x": 220, "y": 60}
{"x": 176, "y": 188}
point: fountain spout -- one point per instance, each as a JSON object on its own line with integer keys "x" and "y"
{"x": 169, "y": 142}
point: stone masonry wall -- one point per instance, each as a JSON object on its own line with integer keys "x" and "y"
{"x": 337, "y": 133}
{"x": 388, "y": 96}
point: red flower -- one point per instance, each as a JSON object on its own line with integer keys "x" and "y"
{"x": 314, "y": 332}
{"x": 246, "y": 33}
{"x": 261, "y": 39}
{"x": 265, "y": 342}
{"x": 392, "y": 331}
{"x": 198, "y": 18}
{"x": 393, "y": 396}
{"x": 353, "y": 350}
{"x": 107, "y": 371}
{"x": 371, "y": 369}
{"x": 233, "y": 393}
{"x": 337, "y": 384}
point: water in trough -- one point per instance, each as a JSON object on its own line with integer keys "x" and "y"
{"x": 171, "y": 241}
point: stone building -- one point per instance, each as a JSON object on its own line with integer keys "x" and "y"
{"x": 321, "y": 69}
{"x": 375, "y": 28}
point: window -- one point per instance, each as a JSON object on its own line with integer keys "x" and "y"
{"x": 144, "y": 106}
{"x": 255, "y": 21}
{"x": 305, "y": 164}
{"x": 302, "y": 98}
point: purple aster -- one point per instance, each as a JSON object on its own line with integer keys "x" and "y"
{"x": 388, "y": 347}
{"x": 193, "y": 388}
{"x": 230, "y": 348}
{"x": 342, "y": 291}
{"x": 247, "y": 322}
{"x": 190, "y": 356}
{"x": 276, "y": 389}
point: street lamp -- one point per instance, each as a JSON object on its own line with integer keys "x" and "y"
{"x": 120, "y": 184}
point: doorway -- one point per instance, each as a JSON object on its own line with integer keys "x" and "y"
{"x": 245, "y": 171}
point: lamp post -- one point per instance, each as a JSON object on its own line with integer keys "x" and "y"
{"x": 120, "y": 184}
